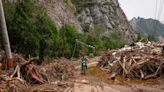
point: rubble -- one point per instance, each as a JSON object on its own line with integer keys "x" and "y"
{"x": 58, "y": 70}
{"x": 26, "y": 73}
{"x": 141, "y": 61}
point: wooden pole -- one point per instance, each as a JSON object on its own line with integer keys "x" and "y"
{"x": 5, "y": 37}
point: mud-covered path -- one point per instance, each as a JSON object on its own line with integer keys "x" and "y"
{"x": 97, "y": 80}
{"x": 93, "y": 83}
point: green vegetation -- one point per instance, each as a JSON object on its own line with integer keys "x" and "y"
{"x": 31, "y": 31}
{"x": 145, "y": 38}
{"x": 114, "y": 41}
{"x": 151, "y": 38}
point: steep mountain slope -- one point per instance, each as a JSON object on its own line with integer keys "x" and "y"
{"x": 61, "y": 11}
{"x": 148, "y": 27}
{"x": 89, "y": 15}
{"x": 37, "y": 27}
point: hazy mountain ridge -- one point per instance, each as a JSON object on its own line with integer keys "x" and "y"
{"x": 148, "y": 27}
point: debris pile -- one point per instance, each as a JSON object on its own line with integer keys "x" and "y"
{"x": 16, "y": 86}
{"x": 58, "y": 70}
{"x": 27, "y": 73}
{"x": 141, "y": 61}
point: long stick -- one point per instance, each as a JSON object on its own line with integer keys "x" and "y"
{"x": 5, "y": 37}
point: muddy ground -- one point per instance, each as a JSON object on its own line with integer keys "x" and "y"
{"x": 97, "y": 80}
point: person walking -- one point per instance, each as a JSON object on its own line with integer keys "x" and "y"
{"x": 84, "y": 64}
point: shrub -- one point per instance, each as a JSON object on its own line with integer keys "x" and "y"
{"x": 27, "y": 24}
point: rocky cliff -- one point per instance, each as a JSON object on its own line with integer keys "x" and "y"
{"x": 87, "y": 15}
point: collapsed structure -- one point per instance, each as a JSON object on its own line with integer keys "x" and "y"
{"x": 140, "y": 61}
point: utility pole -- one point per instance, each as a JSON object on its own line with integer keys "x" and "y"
{"x": 5, "y": 37}
{"x": 82, "y": 43}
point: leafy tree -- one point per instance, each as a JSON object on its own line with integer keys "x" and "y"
{"x": 68, "y": 35}
{"x": 22, "y": 29}
{"x": 27, "y": 24}
{"x": 115, "y": 40}
{"x": 151, "y": 38}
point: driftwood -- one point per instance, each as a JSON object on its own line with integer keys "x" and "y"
{"x": 26, "y": 72}
{"x": 34, "y": 59}
{"x": 141, "y": 62}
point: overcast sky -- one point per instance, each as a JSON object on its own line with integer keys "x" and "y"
{"x": 142, "y": 8}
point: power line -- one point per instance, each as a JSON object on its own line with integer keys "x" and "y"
{"x": 160, "y": 9}
{"x": 158, "y": 14}
{"x": 156, "y": 9}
